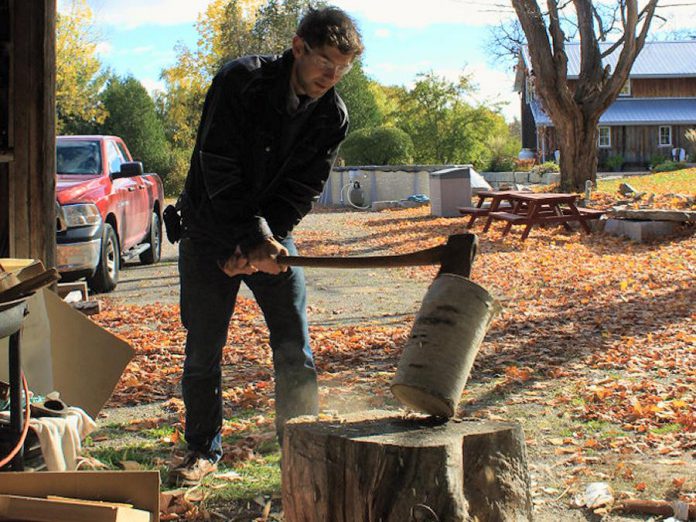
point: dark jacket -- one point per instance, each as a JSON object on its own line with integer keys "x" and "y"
{"x": 239, "y": 189}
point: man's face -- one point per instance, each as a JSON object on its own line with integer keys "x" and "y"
{"x": 316, "y": 70}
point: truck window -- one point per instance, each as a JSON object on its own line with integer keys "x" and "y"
{"x": 114, "y": 157}
{"x": 78, "y": 157}
{"x": 123, "y": 150}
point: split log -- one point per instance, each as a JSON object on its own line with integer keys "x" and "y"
{"x": 391, "y": 467}
{"x": 657, "y": 507}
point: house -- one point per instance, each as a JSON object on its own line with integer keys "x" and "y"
{"x": 649, "y": 118}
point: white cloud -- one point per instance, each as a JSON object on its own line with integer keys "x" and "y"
{"x": 104, "y": 48}
{"x": 493, "y": 86}
{"x": 151, "y": 85}
{"x": 496, "y": 87}
{"x": 129, "y": 14}
{"x": 678, "y": 18}
{"x": 382, "y": 33}
{"x": 146, "y": 49}
{"x": 421, "y": 14}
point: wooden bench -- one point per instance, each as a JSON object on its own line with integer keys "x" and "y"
{"x": 481, "y": 211}
{"x": 544, "y": 209}
{"x": 476, "y": 212}
{"x": 509, "y": 217}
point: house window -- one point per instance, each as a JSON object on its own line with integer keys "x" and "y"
{"x": 604, "y": 139}
{"x": 529, "y": 90}
{"x": 665, "y": 136}
{"x": 626, "y": 89}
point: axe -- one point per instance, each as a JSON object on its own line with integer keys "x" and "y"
{"x": 448, "y": 330}
{"x": 454, "y": 257}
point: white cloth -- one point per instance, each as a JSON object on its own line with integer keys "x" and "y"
{"x": 60, "y": 438}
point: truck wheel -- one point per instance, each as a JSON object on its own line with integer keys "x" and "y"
{"x": 152, "y": 254}
{"x": 106, "y": 276}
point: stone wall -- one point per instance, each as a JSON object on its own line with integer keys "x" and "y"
{"x": 379, "y": 183}
{"x": 397, "y": 182}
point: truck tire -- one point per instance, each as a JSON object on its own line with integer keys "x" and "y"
{"x": 154, "y": 237}
{"x": 106, "y": 276}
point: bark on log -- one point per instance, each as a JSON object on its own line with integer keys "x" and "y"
{"x": 391, "y": 467}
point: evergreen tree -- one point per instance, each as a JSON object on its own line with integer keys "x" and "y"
{"x": 132, "y": 116}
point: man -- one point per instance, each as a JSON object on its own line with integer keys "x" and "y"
{"x": 268, "y": 137}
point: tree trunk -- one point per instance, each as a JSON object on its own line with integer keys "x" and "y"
{"x": 391, "y": 467}
{"x": 578, "y": 145}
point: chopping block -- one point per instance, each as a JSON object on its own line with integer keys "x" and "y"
{"x": 380, "y": 466}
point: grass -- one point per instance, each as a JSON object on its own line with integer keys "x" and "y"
{"x": 148, "y": 456}
{"x": 675, "y": 182}
{"x": 673, "y": 427}
{"x": 258, "y": 478}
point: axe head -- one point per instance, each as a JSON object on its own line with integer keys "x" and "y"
{"x": 458, "y": 254}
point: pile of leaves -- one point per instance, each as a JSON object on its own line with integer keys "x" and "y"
{"x": 596, "y": 330}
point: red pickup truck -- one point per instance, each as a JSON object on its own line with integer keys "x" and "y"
{"x": 108, "y": 210}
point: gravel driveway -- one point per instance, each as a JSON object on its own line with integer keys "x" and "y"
{"x": 335, "y": 296}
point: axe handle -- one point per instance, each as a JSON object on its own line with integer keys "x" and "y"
{"x": 429, "y": 256}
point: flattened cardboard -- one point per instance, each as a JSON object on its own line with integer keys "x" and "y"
{"x": 138, "y": 488}
{"x": 35, "y": 348}
{"x": 87, "y": 360}
{"x": 34, "y": 509}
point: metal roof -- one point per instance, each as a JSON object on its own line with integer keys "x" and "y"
{"x": 656, "y": 59}
{"x": 637, "y": 111}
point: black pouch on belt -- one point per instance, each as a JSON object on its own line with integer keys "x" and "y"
{"x": 172, "y": 223}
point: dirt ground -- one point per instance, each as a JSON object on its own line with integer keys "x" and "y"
{"x": 334, "y": 297}
{"x": 345, "y": 297}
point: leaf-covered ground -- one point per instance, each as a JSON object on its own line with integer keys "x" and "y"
{"x": 594, "y": 353}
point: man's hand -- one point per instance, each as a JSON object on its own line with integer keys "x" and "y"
{"x": 264, "y": 256}
{"x": 237, "y": 264}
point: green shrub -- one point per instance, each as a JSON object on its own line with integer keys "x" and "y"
{"x": 378, "y": 146}
{"x": 176, "y": 177}
{"x": 503, "y": 152}
{"x": 669, "y": 165}
{"x": 502, "y": 164}
{"x": 545, "y": 168}
{"x": 656, "y": 160}
{"x": 614, "y": 162}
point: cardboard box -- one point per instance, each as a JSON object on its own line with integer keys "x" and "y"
{"x": 139, "y": 489}
{"x": 64, "y": 351}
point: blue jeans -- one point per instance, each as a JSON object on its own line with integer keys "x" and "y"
{"x": 207, "y": 302}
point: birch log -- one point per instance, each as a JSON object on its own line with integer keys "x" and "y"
{"x": 446, "y": 336}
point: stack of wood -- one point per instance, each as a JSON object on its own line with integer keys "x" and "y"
{"x": 18, "y": 282}
{"x": 20, "y": 278}
{"x": 62, "y": 509}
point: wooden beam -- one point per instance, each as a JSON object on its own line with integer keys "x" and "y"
{"x": 32, "y": 125}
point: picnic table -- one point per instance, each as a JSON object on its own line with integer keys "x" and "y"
{"x": 500, "y": 200}
{"x": 541, "y": 208}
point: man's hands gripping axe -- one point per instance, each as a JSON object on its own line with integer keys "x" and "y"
{"x": 260, "y": 258}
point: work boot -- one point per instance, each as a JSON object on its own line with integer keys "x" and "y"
{"x": 191, "y": 471}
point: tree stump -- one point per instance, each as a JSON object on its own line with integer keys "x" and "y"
{"x": 383, "y": 466}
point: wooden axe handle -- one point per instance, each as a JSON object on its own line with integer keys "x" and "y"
{"x": 429, "y": 256}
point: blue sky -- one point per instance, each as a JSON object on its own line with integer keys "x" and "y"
{"x": 402, "y": 38}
